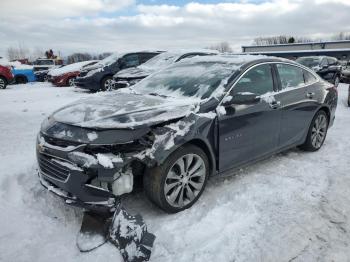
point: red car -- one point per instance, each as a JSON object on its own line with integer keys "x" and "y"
{"x": 6, "y": 76}
{"x": 65, "y": 76}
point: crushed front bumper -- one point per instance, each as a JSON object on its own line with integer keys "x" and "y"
{"x": 72, "y": 181}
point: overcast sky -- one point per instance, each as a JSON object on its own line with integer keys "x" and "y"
{"x": 122, "y": 25}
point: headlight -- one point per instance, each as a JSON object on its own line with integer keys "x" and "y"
{"x": 47, "y": 123}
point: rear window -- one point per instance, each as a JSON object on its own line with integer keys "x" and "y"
{"x": 290, "y": 76}
{"x": 309, "y": 78}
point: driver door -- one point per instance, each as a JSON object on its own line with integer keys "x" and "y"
{"x": 249, "y": 122}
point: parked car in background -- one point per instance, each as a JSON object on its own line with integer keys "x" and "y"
{"x": 327, "y": 67}
{"x": 100, "y": 76}
{"x": 209, "y": 115}
{"x": 66, "y": 75}
{"x": 41, "y": 76}
{"x": 131, "y": 76}
{"x": 345, "y": 76}
{"x": 46, "y": 64}
{"x": 22, "y": 73}
{"x": 6, "y": 76}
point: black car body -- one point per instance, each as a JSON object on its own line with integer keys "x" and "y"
{"x": 345, "y": 74}
{"x": 326, "y": 67}
{"x": 100, "y": 76}
{"x": 214, "y": 114}
{"x": 131, "y": 76}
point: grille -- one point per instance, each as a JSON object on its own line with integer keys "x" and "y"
{"x": 52, "y": 169}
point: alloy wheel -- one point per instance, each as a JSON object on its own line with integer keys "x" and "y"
{"x": 319, "y": 130}
{"x": 184, "y": 180}
{"x": 71, "y": 82}
{"x": 337, "y": 81}
{"x": 109, "y": 84}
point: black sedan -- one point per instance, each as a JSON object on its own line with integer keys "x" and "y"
{"x": 99, "y": 77}
{"x": 206, "y": 116}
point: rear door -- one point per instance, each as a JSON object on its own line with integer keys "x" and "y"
{"x": 296, "y": 108}
{"x": 249, "y": 130}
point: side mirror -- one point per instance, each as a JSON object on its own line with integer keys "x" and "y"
{"x": 242, "y": 99}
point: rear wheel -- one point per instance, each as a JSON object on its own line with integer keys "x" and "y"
{"x": 179, "y": 181}
{"x": 107, "y": 84}
{"x": 21, "y": 80}
{"x": 336, "y": 80}
{"x": 3, "y": 83}
{"x": 317, "y": 132}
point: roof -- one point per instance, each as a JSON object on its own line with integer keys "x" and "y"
{"x": 300, "y": 51}
{"x": 308, "y": 43}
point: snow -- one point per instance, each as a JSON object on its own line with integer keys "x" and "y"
{"x": 292, "y": 206}
{"x": 221, "y": 110}
{"x": 69, "y": 68}
{"x": 107, "y": 160}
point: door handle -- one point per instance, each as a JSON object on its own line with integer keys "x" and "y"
{"x": 310, "y": 95}
{"x": 275, "y": 104}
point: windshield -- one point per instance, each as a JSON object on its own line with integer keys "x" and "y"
{"x": 160, "y": 61}
{"x": 44, "y": 62}
{"x": 109, "y": 59}
{"x": 309, "y": 61}
{"x": 199, "y": 80}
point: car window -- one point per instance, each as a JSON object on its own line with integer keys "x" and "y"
{"x": 257, "y": 80}
{"x": 309, "y": 78}
{"x": 146, "y": 56}
{"x": 131, "y": 60}
{"x": 324, "y": 62}
{"x": 290, "y": 76}
{"x": 332, "y": 61}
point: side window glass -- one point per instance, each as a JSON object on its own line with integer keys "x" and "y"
{"x": 144, "y": 57}
{"x": 291, "y": 76}
{"x": 257, "y": 80}
{"x": 324, "y": 62}
{"x": 309, "y": 78}
{"x": 131, "y": 60}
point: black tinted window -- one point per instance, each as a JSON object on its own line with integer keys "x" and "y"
{"x": 146, "y": 56}
{"x": 131, "y": 60}
{"x": 309, "y": 78}
{"x": 290, "y": 76}
{"x": 257, "y": 80}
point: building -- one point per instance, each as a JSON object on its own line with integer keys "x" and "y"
{"x": 337, "y": 49}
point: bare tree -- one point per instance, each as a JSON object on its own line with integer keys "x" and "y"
{"x": 222, "y": 47}
{"x": 19, "y": 52}
{"x": 281, "y": 39}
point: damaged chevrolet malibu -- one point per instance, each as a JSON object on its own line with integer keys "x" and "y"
{"x": 203, "y": 117}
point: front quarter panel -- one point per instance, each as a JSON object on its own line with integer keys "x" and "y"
{"x": 168, "y": 138}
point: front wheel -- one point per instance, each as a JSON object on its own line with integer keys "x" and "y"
{"x": 178, "y": 183}
{"x": 71, "y": 81}
{"x": 317, "y": 132}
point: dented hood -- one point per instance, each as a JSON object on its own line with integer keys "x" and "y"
{"x": 119, "y": 110}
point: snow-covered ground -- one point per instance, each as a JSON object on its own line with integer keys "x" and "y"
{"x": 291, "y": 207}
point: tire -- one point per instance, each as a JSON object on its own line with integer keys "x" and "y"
{"x": 21, "y": 80}
{"x": 336, "y": 80}
{"x": 317, "y": 132}
{"x": 190, "y": 186}
{"x": 71, "y": 81}
{"x": 3, "y": 83}
{"x": 107, "y": 83}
